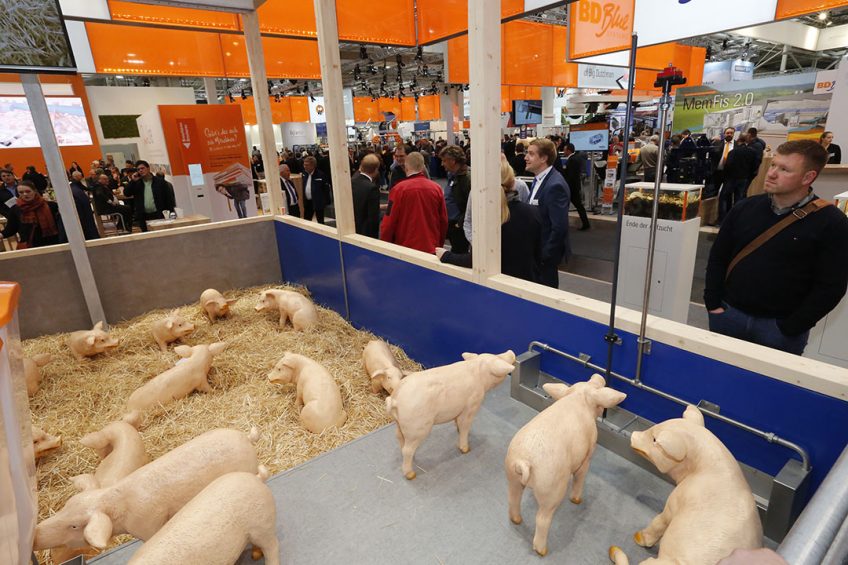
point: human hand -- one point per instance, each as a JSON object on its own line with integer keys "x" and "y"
{"x": 440, "y": 251}
{"x": 753, "y": 557}
{"x": 718, "y": 310}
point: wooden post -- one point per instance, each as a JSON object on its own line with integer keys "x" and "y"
{"x": 259, "y": 84}
{"x": 484, "y": 54}
{"x": 331, "y": 80}
{"x": 59, "y": 178}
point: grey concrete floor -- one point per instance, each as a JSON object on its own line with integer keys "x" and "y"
{"x": 352, "y": 505}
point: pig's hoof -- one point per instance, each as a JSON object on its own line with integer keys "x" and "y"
{"x": 542, "y": 552}
{"x": 576, "y": 500}
{"x": 516, "y": 520}
{"x": 256, "y": 553}
{"x": 637, "y": 537}
{"x": 614, "y": 550}
{"x": 410, "y": 475}
{"x": 464, "y": 449}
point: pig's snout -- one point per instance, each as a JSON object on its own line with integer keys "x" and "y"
{"x": 637, "y": 443}
{"x": 259, "y": 307}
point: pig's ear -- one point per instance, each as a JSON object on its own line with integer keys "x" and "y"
{"x": 85, "y": 482}
{"x": 98, "y": 532}
{"x": 42, "y": 359}
{"x": 466, "y": 356}
{"x": 607, "y": 397}
{"x": 501, "y": 367}
{"x": 508, "y": 356}
{"x": 672, "y": 444}
{"x": 556, "y": 390}
{"x": 183, "y": 350}
{"x": 597, "y": 381}
{"x": 169, "y": 324}
{"x": 232, "y": 300}
{"x": 692, "y": 414}
{"x": 217, "y": 347}
{"x": 90, "y": 340}
{"x": 98, "y": 325}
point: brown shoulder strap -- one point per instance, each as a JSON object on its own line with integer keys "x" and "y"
{"x": 811, "y": 207}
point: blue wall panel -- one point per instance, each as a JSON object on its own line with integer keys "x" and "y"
{"x": 435, "y": 317}
{"x": 312, "y": 260}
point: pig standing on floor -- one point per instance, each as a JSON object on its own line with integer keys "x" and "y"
{"x": 381, "y": 366}
{"x": 214, "y": 305}
{"x": 711, "y": 511}
{"x": 141, "y": 503}
{"x": 169, "y": 329}
{"x": 43, "y": 443}
{"x": 32, "y": 371}
{"x": 216, "y": 525}
{"x": 439, "y": 395}
{"x": 121, "y": 449}
{"x": 291, "y": 306}
{"x": 556, "y": 445}
{"x": 188, "y": 375}
{"x": 318, "y": 398}
{"x": 88, "y": 343}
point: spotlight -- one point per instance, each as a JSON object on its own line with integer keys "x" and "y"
{"x": 311, "y": 97}
{"x": 447, "y": 91}
{"x": 419, "y": 54}
{"x": 232, "y": 98}
{"x": 425, "y": 72}
{"x": 146, "y": 81}
{"x": 243, "y": 94}
{"x": 363, "y": 54}
{"x": 356, "y": 72}
{"x": 277, "y": 97}
{"x": 822, "y": 16}
{"x": 416, "y": 96}
{"x": 399, "y": 60}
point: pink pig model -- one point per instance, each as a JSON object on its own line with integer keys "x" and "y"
{"x": 289, "y": 305}
{"x": 318, "y": 398}
{"x": 216, "y": 525}
{"x": 170, "y": 328}
{"x": 711, "y": 511}
{"x": 88, "y": 343}
{"x": 214, "y": 305}
{"x": 141, "y": 503}
{"x": 43, "y": 443}
{"x": 32, "y": 371}
{"x": 555, "y": 446}
{"x": 439, "y": 395}
{"x": 381, "y": 366}
{"x": 188, "y": 375}
{"x": 120, "y": 447}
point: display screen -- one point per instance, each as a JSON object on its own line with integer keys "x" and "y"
{"x": 526, "y": 112}
{"x": 590, "y": 139}
{"x": 34, "y": 37}
{"x": 18, "y": 130}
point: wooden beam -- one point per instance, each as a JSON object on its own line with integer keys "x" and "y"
{"x": 484, "y": 55}
{"x": 262, "y": 101}
{"x": 331, "y": 82}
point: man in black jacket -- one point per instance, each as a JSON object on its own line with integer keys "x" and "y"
{"x": 316, "y": 190}
{"x": 739, "y": 170}
{"x": 366, "y": 197}
{"x": 778, "y": 292}
{"x": 82, "y": 202}
{"x": 152, "y": 195}
{"x": 575, "y": 164}
{"x": 456, "y": 195}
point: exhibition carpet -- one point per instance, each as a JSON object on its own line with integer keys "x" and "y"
{"x": 352, "y": 505}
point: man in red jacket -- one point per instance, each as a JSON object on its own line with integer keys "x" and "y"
{"x": 416, "y": 216}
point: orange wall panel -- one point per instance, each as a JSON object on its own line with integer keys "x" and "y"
{"x": 794, "y": 8}
{"x": 288, "y": 17}
{"x": 526, "y": 53}
{"x": 563, "y": 73}
{"x": 364, "y": 109}
{"x": 438, "y": 19}
{"x": 218, "y": 151}
{"x": 299, "y": 108}
{"x": 386, "y": 104}
{"x": 284, "y": 57}
{"x": 407, "y": 110}
{"x": 164, "y": 15}
{"x": 429, "y": 108}
{"x": 458, "y": 60}
{"x": 393, "y": 25}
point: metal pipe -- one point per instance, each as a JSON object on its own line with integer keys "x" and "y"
{"x": 808, "y": 541}
{"x": 611, "y": 338}
{"x": 837, "y": 553}
{"x": 768, "y": 436}
{"x": 665, "y": 103}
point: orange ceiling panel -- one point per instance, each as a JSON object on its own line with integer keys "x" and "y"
{"x": 144, "y": 50}
{"x": 288, "y": 17}
{"x": 299, "y": 108}
{"x": 429, "y": 108}
{"x": 392, "y": 24}
{"x": 365, "y": 109}
{"x": 458, "y": 60}
{"x": 407, "y": 110}
{"x": 563, "y": 73}
{"x": 795, "y": 8}
{"x": 284, "y": 57}
{"x": 392, "y": 105}
{"x": 438, "y": 19}
{"x": 527, "y": 53}
{"x": 164, "y": 15}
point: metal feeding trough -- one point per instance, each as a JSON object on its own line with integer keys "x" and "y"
{"x": 780, "y": 498}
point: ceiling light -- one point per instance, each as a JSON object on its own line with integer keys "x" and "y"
{"x": 822, "y": 16}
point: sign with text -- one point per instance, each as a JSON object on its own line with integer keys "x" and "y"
{"x": 795, "y": 8}
{"x": 602, "y": 77}
{"x": 599, "y": 26}
{"x": 825, "y": 82}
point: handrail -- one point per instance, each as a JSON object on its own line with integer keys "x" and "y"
{"x": 768, "y": 436}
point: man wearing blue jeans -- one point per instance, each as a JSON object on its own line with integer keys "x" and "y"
{"x": 777, "y": 293}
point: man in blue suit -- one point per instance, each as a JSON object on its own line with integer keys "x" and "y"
{"x": 316, "y": 190}
{"x": 551, "y": 194}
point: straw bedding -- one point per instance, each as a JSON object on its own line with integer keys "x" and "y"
{"x": 78, "y": 398}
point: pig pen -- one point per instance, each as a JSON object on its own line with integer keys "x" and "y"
{"x": 77, "y": 398}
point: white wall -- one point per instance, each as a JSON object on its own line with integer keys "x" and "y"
{"x": 122, "y": 100}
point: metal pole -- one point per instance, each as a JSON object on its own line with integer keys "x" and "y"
{"x": 611, "y": 337}
{"x": 58, "y": 177}
{"x": 665, "y": 103}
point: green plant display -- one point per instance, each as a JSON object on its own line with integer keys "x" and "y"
{"x": 119, "y": 126}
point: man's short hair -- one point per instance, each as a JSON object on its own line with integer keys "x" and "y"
{"x": 401, "y": 148}
{"x": 102, "y": 175}
{"x": 753, "y": 132}
{"x": 815, "y": 156}
{"x": 655, "y": 139}
{"x": 414, "y": 162}
{"x": 744, "y": 138}
{"x": 686, "y": 132}
{"x": 370, "y": 163}
{"x": 454, "y": 152}
{"x": 570, "y": 147}
{"x": 546, "y": 149}
{"x": 6, "y": 171}
{"x": 141, "y": 163}
{"x": 310, "y": 159}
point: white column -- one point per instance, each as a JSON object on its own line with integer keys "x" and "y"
{"x": 259, "y": 84}
{"x": 211, "y": 90}
{"x": 452, "y": 114}
{"x": 484, "y": 56}
{"x": 58, "y": 176}
{"x": 331, "y": 80}
{"x": 548, "y": 94}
